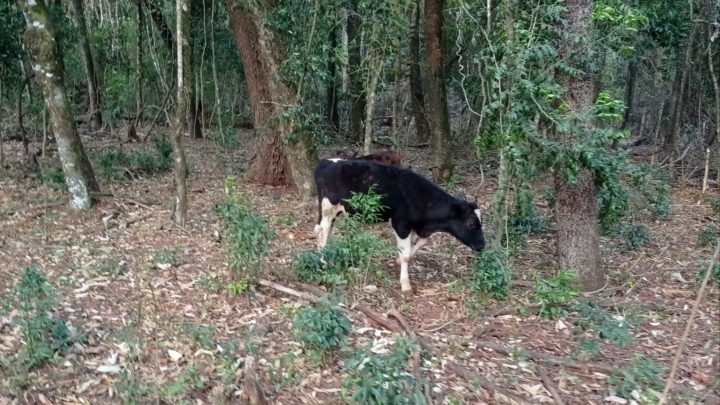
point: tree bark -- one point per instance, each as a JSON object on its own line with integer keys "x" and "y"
{"x": 355, "y": 82}
{"x": 183, "y": 93}
{"x": 716, "y": 89}
{"x": 48, "y": 66}
{"x": 416, "y": 90}
{"x": 194, "y": 123}
{"x": 89, "y": 64}
{"x": 629, "y": 92}
{"x": 282, "y": 155}
{"x": 138, "y": 58}
{"x": 331, "y": 112}
{"x": 677, "y": 100}
{"x": 575, "y": 208}
{"x": 436, "y": 93}
{"x": 162, "y": 26}
{"x": 375, "y": 67}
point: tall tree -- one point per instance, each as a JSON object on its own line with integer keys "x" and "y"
{"x": 138, "y": 56}
{"x": 89, "y": 64}
{"x": 283, "y": 153}
{"x": 182, "y": 12}
{"x": 48, "y": 66}
{"x": 331, "y": 111}
{"x": 416, "y": 90}
{"x": 436, "y": 92}
{"x": 575, "y": 207}
{"x": 355, "y": 82}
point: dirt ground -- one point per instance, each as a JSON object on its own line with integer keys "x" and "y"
{"x": 159, "y": 332}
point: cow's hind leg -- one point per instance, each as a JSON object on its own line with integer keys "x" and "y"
{"x": 405, "y": 249}
{"x": 328, "y": 212}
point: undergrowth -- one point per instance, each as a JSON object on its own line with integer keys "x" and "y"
{"x": 246, "y": 236}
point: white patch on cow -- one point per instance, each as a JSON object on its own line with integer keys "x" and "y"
{"x": 335, "y": 160}
{"x": 328, "y": 212}
{"x": 405, "y": 253}
{"x": 479, "y": 215}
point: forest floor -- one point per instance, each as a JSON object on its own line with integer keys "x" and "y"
{"x": 150, "y": 300}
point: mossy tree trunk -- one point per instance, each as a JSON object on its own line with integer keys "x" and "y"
{"x": 355, "y": 81}
{"x": 577, "y": 237}
{"x": 282, "y": 155}
{"x": 48, "y": 67}
{"x": 183, "y": 95}
{"x": 435, "y": 90}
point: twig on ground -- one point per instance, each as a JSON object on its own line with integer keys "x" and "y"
{"x": 681, "y": 344}
{"x": 550, "y": 386}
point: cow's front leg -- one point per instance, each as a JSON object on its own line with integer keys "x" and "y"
{"x": 404, "y": 252}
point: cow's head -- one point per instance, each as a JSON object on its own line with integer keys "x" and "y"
{"x": 466, "y": 224}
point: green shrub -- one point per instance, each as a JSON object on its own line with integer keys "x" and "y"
{"x": 44, "y": 334}
{"x": 366, "y": 207}
{"x": 321, "y": 326}
{"x": 555, "y": 292}
{"x": 110, "y": 164}
{"x": 640, "y": 374}
{"x": 714, "y": 276}
{"x": 491, "y": 273}
{"x": 526, "y": 218}
{"x": 163, "y": 147}
{"x": 635, "y": 235}
{"x": 708, "y": 236}
{"x": 349, "y": 252}
{"x": 226, "y": 139}
{"x": 606, "y": 326}
{"x": 660, "y": 201}
{"x": 167, "y": 256}
{"x": 52, "y": 176}
{"x": 246, "y": 235}
{"x": 715, "y": 206}
{"x": 382, "y": 378}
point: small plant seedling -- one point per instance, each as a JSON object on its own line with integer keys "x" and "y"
{"x": 321, "y": 327}
{"x": 164, "y": 257}
{"x": 491, "y": 273}
{"x": 708, "y": 235}
{"x": 635, "y": 235}
{"x": 555, "y": 292}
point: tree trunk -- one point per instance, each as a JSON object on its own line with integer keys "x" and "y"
{"x": 716, "y": 89}
{"x": 436, "y": 94}
{"x": 44, "y": 54}
{"x": 575, "y": 207}
{"x": 162, "y": 26}
{"x": 183, "y": 94}
{"x": 416, "y": 90}
{"x": 355, "y": 82}
{"x": 194, "y": 123}
{"x": 281, "y": 155}
{"x": 677, "y": 102}
{"x": 138, "y": 58}
{"x": 375, "y": 67}
{"x": 89, "y": 64}
{"x": 629, "y": 92}
{"x": 331, "y": 112}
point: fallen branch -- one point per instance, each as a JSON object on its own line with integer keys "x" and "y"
{"x": 549, "y": 358}
{"x": 377, "y": 318}
{"x": 485, "y": 383}
{"x": 129, "y": 222}
{"x": 290, "y": 291}
{"x": 550, "y": 386}
{"x": 681, "y": 344}
{"x": 251, "y": 383}
{"x": 45, "y": 205}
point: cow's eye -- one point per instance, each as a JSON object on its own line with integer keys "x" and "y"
{"x": 472, "y": 225}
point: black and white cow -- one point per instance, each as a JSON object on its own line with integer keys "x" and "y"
{"x": 414, "y": 206}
